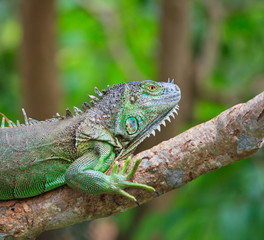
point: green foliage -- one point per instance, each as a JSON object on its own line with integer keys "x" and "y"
{"x": 9, "y": 41}
{"x": 242, "y": 35}
{"x": 240, "y": 60}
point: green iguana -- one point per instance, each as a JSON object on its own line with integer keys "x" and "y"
{"x": 38, "y": 156}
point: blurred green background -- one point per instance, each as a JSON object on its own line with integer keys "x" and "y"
{"x": 53, "y": 53}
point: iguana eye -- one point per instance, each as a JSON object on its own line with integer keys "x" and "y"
{"x": 151, "y": 87}
{"x": 131, "y": 125}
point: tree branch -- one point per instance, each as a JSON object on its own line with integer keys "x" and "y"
{"x": 235, "y": 134}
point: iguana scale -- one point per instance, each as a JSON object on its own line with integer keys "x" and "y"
{"x": 77, "y": 150}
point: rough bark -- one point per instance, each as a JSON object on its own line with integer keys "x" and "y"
{"x": 233, "y": 135}
{"x": 38, "y": 68}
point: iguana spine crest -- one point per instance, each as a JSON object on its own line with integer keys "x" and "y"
{"x": 77, "y": 111}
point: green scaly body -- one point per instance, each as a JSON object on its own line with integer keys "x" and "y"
{"x": 76, "y": 150}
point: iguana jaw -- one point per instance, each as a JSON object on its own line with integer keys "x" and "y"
{"x": 148, "y": 132}
{"x": 162, "y": 121}
{"x": 157, "y": 124}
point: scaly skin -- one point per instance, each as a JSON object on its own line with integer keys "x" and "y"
{"x": 76, "y": 150}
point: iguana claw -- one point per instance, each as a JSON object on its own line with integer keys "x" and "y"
{"x": 121, "y": 180}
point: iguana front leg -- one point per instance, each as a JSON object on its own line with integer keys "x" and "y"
{"x": 86, "y": 174}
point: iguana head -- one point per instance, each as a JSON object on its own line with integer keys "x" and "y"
{"x": 145, "y": 106}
